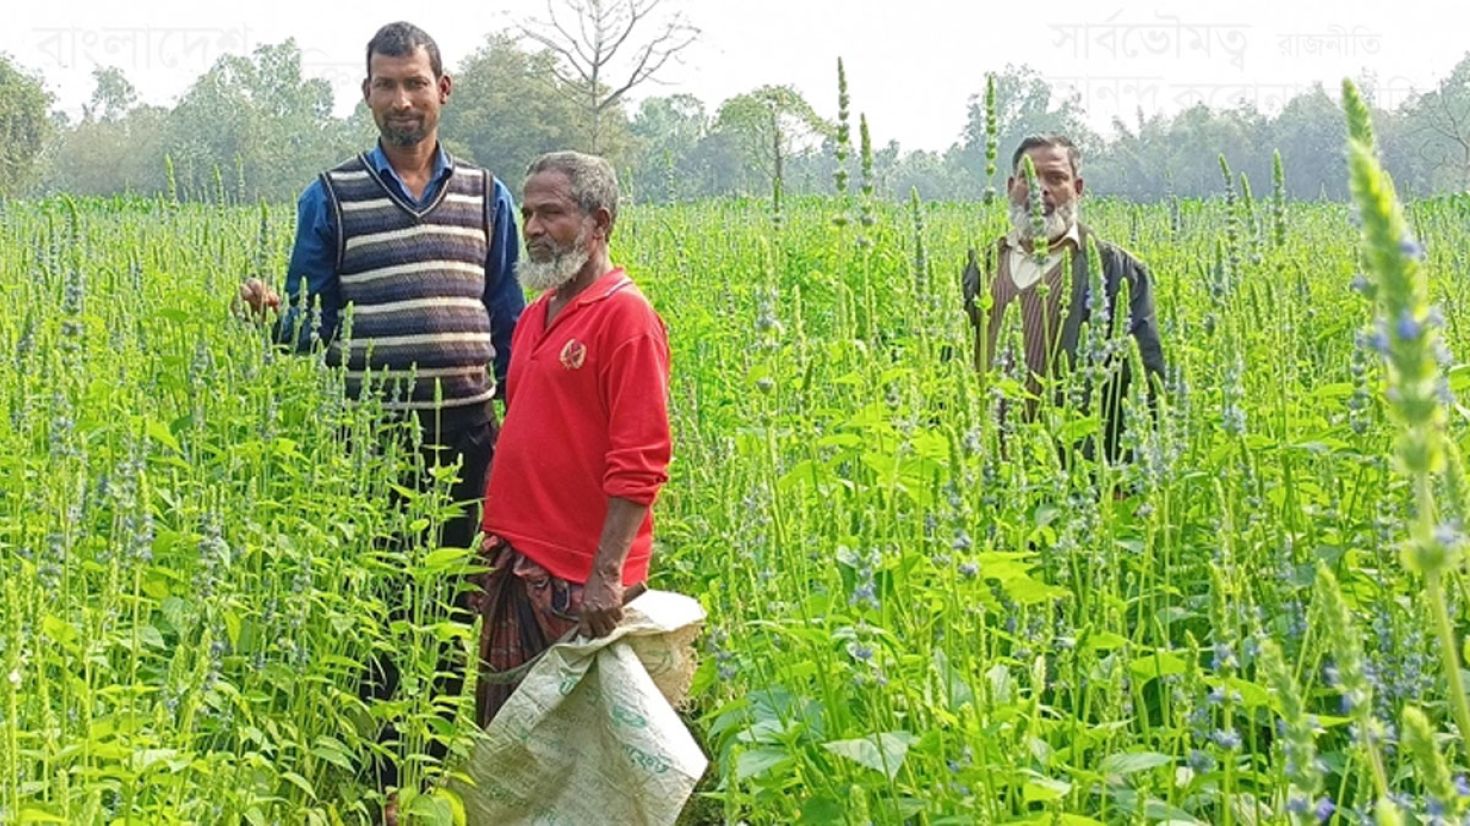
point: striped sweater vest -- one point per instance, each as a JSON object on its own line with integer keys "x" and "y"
{"x": 1040, "y": 313}
{"x": 415, "y": 279}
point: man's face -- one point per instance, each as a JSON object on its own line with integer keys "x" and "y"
{"x": 559, "y": 236}
{"x": 1061, "y": 192}
{"x": 405, "y": 97}
{"x": 1059, "y": 187}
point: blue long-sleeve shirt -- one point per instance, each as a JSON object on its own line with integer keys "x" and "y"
{"x": 314, "y": 260}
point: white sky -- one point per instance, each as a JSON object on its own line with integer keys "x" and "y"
{"x": 911, "y": 64}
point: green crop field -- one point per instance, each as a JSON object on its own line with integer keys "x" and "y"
{"x": 921, "y": 610}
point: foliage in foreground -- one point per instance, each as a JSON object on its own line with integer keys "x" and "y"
{"x": 922, "y": 610}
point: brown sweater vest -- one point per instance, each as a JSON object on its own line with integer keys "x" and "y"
{"x": 1041, "y": 316}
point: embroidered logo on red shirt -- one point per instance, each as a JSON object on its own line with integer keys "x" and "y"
{"x": 573, "y": 354}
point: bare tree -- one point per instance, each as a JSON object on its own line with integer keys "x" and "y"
{"x": 598, "y": 59}
{"x": 1440, "y": 121}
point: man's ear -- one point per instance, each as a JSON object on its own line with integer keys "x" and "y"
{"x": 602, "y": 219}
{"x": 446, "y": 83}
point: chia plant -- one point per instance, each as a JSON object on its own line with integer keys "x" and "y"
{"x": 992, "y": 138}
{"x": 843, "y": 148}
{"x": 1394, "y": 260}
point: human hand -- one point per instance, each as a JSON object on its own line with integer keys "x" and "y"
{"x": 602, "y": 604}
{"x": 258, "y": 296}
{"x": 490, "y": 547}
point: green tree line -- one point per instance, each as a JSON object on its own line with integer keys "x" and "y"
{"x": 254, "y": 127}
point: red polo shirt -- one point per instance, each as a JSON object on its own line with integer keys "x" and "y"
{"x": 587, "y": 418}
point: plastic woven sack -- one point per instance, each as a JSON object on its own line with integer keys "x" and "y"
{"x": 591, "y": 735}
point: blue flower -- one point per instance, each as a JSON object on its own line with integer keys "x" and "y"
{"x": 972, "y": 441}
{"x": 1228, "y": 739}
{"x": 1377, "y": 341}
{"x": 1442, "y": 355}
{"x": 1411, "y": 247}
{"x": 1409, "y": 328}
{"x": 1232, "y": 421}
{"x": 1325, "y": 808}
{"x": 1447, "y": 535}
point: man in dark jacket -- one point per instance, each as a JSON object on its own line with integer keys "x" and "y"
{"x": 1020, "y": 271}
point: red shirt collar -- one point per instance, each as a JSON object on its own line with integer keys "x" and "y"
{"x": 606, "y": 284}
{"x": 610, "y": 282}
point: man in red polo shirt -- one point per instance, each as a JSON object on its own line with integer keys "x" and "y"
{"x": 585, "y": 444}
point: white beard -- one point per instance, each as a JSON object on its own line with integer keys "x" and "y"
{"x": 1058, "y": 222}
{"x": 556, "y": 271}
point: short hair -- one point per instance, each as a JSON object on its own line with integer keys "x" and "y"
{"x": 1046, "y": 139}
{"x": 594, "y": 183}
{"x": 402, "y": 40}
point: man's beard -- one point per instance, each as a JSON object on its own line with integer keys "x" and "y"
{"x": 403, "y": 136}
{"x": 563, "y": 265}
{"x": 1057, "y": 223}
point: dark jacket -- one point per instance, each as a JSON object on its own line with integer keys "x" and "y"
{"x": 1117, "y": 265}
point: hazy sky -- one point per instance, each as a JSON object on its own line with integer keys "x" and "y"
{"x": 912, "y": 65}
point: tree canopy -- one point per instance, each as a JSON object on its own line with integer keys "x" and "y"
{"x": 25, "y": 125}
{"x": 255, "y": 126}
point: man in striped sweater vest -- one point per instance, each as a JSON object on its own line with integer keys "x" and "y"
{"x": 1038, "y": 289}
{"x": 423, "y": 247}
